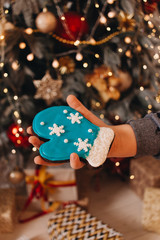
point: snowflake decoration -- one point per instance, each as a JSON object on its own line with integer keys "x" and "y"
{"x": 48, "y": 88}
{"x": 83, "y": 145}
{"x": 75, "y": 118}
{"x": 56, "y": 130}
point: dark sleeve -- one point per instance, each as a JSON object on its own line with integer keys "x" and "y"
{"x": 147, "y": 132}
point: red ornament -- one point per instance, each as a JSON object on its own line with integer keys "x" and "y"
{"x": 72, "y": 26}
{"x": 149, "y": 6}
{"x": 17, "y": 136}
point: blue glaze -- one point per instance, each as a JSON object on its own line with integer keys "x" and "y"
{"x": 56, "y": 149}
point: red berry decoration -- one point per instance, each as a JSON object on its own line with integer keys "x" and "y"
{"x": 72, "y": 26}
{"x": 17, "y": 136}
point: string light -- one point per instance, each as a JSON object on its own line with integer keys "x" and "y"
{"x": 101, "y": 116}
{"x": 149, "y": 106}
{"x": 110, "y": 1}
{"x": 156, "y": 56}
{"x": 30, "y": 57}
{"x": 19, "y": 121}
{"x": 16, "y": 114}
{"x": 127, "y": 40}
{"x": 144, "y": 67}
{"x": 5, "y": 74}
{"x": 77, "y": 42}
{"x": 85, "y": 65}
{"x": 34, "y": 149}
{"x": 141, "y": 88}
{"x": 55, "y": 63}
{"x": 117, "y": 164}
{"x": 131, "y": 177}
{"x": 111, "y": 14}
{"x": 96, "y": 55}
{"x": 88, "y": 84}
{"x": 117, "y": 117}
{"x": 96, "y": 5}
{"x": 29, "y": 31}
{"x": 63, "y": 18}
{"x": 98, "y": 104}
{"x": 6, "y": 11}
{"x": 13, "y": 151}
{"x": 79, "y": 56}
{"x": 108, "y": 29}
{"x": 22, "y": 45}
{"x": 120, "y": 50}
{"x": 15, "y": 65}
{"x": 128, "y": 53}
{"x": 1, "y": 64}
{"x": 2, "y": 37}
{"x": 103, "y": 19}
{"x": 5, "y": 90}
{"x": 15, "y": 97}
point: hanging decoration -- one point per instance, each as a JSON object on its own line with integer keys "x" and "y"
{"x": 107, "y": 84}
{"x": 46, "y": 22}
{"x": 126, "y": 22}
{"x": 18, "y": 136}
{"x": 66, "y": 65}
{"x": 48, "y": 88}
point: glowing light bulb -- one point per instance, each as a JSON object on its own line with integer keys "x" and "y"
{"x": 55, "y": 63}
{"x": 131, "y": 177}
{"x": 15, "y": 65}
{"x": 30, "y": 57}
{"x": 79, "y": 56}
{"x": 5, "y": 90}
{"x": 85, "y": 65}
{"x": 127, "y": 40}
{"x": 117, "y": 117}
{"x": 103, "y": 19}
{"x": 88, "y": 84}
{"x": 15, "y": 97}
{"x": 22, "y": 45}
{"x": 111, "y": 14}
{"x": 29, "y": 31}
{"x": 77, "y": 42}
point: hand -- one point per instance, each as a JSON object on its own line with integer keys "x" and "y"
{"x": 75, "y": 162}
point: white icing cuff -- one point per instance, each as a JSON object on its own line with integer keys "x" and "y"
{"x": 100, "y": 148}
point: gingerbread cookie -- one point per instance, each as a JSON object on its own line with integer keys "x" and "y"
{"x": 67, "y": 131}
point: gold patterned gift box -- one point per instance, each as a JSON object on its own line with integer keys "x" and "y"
{"x": 74, "y": 223}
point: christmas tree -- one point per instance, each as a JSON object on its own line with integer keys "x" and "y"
{"x": 105, "y": 52}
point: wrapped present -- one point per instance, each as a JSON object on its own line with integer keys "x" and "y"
{"x": 151, "y": 210}
{"x": 7, "y": 210}
{"x": 72, "y": 222}
{"x": 50, "y": 188}
{"x": 144, "y": 172}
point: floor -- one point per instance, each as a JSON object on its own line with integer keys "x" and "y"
{"x": 110, "y": 200}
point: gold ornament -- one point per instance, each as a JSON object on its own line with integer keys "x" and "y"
{"x": 46, "y": 22}
{"x": 48, "y": 88}
{"x": 126, "y": 22}
{"x": 107, "y": 84}
{"x": 66, "y": 65}
{"x": 16, "y": 176}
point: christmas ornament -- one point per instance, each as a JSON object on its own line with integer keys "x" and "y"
{"x": 46, "y": 22}
{"x": 107, "y": 84}
{"x": 72, "y": 26}
{"x": 149, "y": 6}
{"x": 16, "y": 176}
{"x": 48, "y": 88}
{"x": 18, "y": 136}
{"x": 66, "y": 65}
{"x": 126, "y": 22}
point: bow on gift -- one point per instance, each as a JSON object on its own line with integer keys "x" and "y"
{"x": 43, "y": 183}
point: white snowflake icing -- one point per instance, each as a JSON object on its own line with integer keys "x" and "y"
{"x": 83, "y": 145}
{"x": 75, "y": 118}
{"x": 56, "y": 130}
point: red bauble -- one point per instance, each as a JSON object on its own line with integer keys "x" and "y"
{"x": 149, "y": 6}
{"x": 17, "y": 136}
{"x": 76, "y": 25}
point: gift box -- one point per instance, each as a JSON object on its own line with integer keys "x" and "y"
{"x": 72, "y": 222}
{"x": 151, "y": 210}
{"x": 7, "y": 210}
{"x": 144, "y": 172}
{"x": 60, "y": 183}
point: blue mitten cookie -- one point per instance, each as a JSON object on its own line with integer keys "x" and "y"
{"x": 67, "y": 131}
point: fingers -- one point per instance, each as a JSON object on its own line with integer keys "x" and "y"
{"x": 75, "y": 161}
{"x": 35, "y": 141}
{"x": 29, "y": 130}
{"x": 73, "y": 102}
{"x": 40, "y": 161}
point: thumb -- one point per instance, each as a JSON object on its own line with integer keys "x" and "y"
{"x": 74, "y": 103}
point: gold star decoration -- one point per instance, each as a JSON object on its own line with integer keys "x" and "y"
{"x": 48, "y": 88}
{"x": 126, "y": 22}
